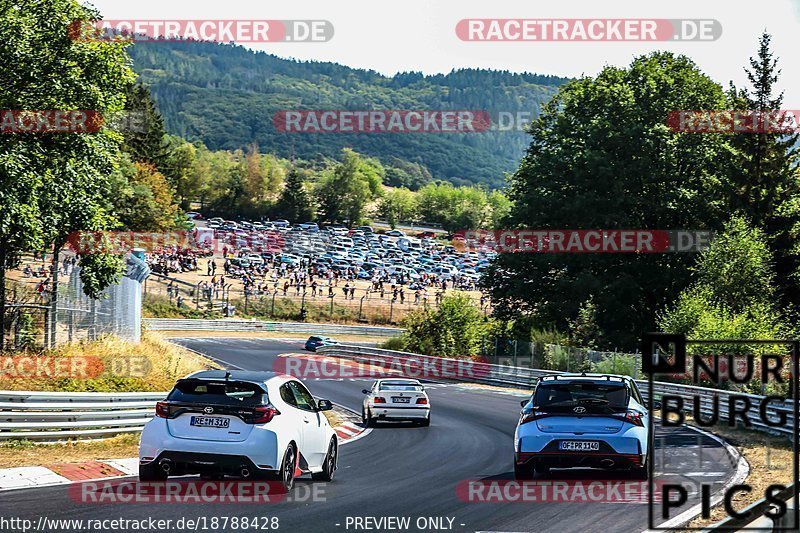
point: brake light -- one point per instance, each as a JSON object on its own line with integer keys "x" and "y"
{"x": 529, "y": 416}
{"x": 378, "y": 399}
{"x": 262, "y": 415}
{"x": 422, "y": 401}
{"x": 635, "y": 418}
{"x": 162, "y": 409}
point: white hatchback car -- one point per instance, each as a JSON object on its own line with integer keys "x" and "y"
{"x": 248, "y": 424}
{"x": 396, "y": 399}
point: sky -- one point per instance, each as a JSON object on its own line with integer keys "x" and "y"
{"x": 420, "y": 35}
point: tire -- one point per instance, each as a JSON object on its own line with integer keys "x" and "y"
{"x": 330, "y": 464}
{"x": 642, "y": 473}
{"x": 286, "y": 474}
{"x": 522, "y": 472}
{"x": 151, "y": 472}
{"x": 366, "y": 419}
{"x": 425, "y": 422}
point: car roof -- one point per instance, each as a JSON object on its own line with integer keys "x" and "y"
{"x": 399, "y": 381}
{"x": 594, "y": 378}
{"x": 250, "y": 376}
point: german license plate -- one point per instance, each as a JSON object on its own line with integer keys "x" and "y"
{"x": 579, "y": 446}
{"x": 398, "y": 399}
{"x": 210, "y": 422}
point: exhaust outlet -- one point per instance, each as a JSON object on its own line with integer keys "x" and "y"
{"x": 165, "y": 465}
{"x": 607, "y": 463}
{"x": 245, "y": 472}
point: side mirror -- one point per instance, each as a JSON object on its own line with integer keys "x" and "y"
{"x": 324, "y": 405}
{"x": 523, "y": 403}
{"x": 364, "y": 391}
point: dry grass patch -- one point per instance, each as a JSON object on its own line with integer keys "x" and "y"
{"x": 771, "y": 462}
{"x": 25, "y": 453}
{"x": 109, "y": 364}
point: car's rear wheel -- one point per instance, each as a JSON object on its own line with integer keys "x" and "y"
{"x": 329, "y": 466}
{"x": 152, "y": 472}
{"x": 642, "y": 473}
{"x": 425, "y": 422}
{"x": 522, "y": 471}
{"x": 366, "y": 419}
{"x": 286, "y": 474}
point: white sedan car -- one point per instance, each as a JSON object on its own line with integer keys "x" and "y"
{"x": 396, "y": 399}
{"x": 247, "y": 424}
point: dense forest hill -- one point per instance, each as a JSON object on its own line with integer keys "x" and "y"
{"x": 226, "y": 96}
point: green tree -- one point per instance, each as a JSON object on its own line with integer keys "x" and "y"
{"x": 295, "y": 201}
{"x": 454, "y": 329}
{"x": 398, "y": 205}
{"x": 601, "y": 157}
{"x": 42, "y": 68}
{"x": 764, "y": 184}
{"x": 345, "y": 192}
{"x": 455, "y": 208}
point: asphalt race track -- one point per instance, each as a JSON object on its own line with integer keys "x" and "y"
{"x": 406, "y": 471}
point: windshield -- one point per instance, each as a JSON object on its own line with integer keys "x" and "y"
{"x": 595, "y": 397}
{"x": 234, "y": 393}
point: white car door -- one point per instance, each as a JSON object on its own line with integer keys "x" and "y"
{"x": 315, "y": 446}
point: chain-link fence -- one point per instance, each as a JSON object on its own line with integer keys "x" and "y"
{"x": 31, "y": 323}
{"x": 341, "y": 302}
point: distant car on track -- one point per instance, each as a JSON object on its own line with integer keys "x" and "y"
{"x": 247, "y": 424}
{"x": 396, "y": 399}
{"x": 316, "y": 341}
{"x": 582, "y": 420}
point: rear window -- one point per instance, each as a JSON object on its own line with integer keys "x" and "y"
{"x": 595, "y": 397}
{"x": 234, "y": 393}
{"x": 401, "y": 387}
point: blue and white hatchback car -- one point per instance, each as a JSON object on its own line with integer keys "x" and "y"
{"x": 583, "y": 421}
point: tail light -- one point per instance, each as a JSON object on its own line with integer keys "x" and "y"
{"x": 422, "y": 401}
{"x": 262, "y": 415}
{"x": 162, "y": 409}
{"x": 529, "y": 416}
{"x": 378, "y": 399}
{"x": 635, "y": 418}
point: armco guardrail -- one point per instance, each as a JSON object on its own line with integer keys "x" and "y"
{"x": 57, "y": 416}
{"x": 190, "y": 324}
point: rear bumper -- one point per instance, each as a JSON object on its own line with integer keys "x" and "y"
{"x": 400, "y": 413}
{"x": 261, "y": 447}
{"x": 579, "y": 459}
{"x": 182, "y": 463}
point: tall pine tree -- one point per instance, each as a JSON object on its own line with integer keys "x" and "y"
{"x": 295, "y": 202}
{"x": 764, "y": 184}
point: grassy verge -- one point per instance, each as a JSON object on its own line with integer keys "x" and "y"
{"x": 770, "y": 459}
{"x": 26, "y": 453}
{"x": 106, "y": 365}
